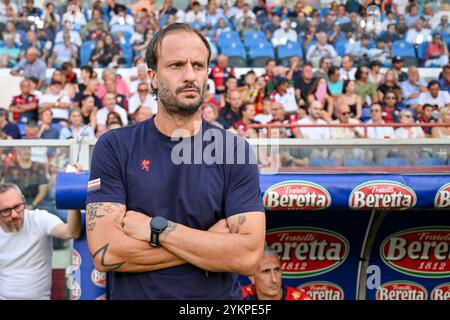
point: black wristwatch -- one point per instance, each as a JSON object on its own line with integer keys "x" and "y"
{"x": 157, "y": 225}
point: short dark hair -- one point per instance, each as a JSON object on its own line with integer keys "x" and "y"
{"x": 151, "y": 56}
{"x": 375, "y": 63}
{"x": 427, "y": 105}
{"x": 332, "y": 70}
{"x": 243, "y": 107}
{"x": 269, "y": 61}
{"x": 432, "y": 83}
{"x": 88, "y": 69}
{"x": 4, "y": 113}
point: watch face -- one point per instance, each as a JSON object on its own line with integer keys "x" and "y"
{"x": 159, "y": 223}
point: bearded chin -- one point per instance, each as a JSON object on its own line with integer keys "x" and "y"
{"x": 176, "y": 108}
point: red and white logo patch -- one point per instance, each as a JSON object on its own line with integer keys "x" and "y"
{"x": 94, "y": 184}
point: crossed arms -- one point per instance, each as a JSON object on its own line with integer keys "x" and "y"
{"x": 119, "y": 240}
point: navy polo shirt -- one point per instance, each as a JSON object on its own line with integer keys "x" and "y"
{"x": 137, "y": 167}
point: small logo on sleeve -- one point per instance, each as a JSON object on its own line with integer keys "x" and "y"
{"x": 94, "y": 184}
{"x": 145, "y": 165}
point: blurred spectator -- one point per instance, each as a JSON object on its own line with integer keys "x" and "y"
{"x": 268, "y": 68}
{"x": 112, "y": 7}
{"x": 437, "y": 52}
{"x": 267, "y": 281}
{"x": 406, "y": 117}
{"x": 141, "y": 114}
{"x": 249, "y": 90}
{"x": 76, "y": 129}
{"x": 33, "y": 41}
{"x": 381, "y": 53}
{"x": 90, "y": 90}
{"x": 11, "y": 31}
{"x": 418, "y": 34}
{"x": 121, "y": 100}
{"x": 335, "y": 85}
{"x": 230, "y": 85}
{"x": 196, "y": 14}
{"x": 322, "y": 50}
{"x": 343, "y": 114}
{"x": 220, "y": 73}
{"x": 230, "y": 113}
{"x": 235, "y": 9}
{"x": 110, "y": 74}
{"x": 96, "y": 27}
{"x": 319, "y": 92}
{"x": 122, "y": 22}
{"x": 432, "y": 19}
{"x": 413, "y": 87}
{"x": 89, "y": 111}
{"x": 285, "y": 94}
{"x": 31, "y": 66}
{"x": 279, "y": 117}
{"x": 46, "y": 129}
{"x": 29, "y": 176}
{"x": 442, "y": 132}
{"x": 324, "y": 66}
{"x": 51, "y": 20}
{"x": 426, "y": 116}
{"x": 434, "y": 96}
{"x": 294, "y": 74}
{"x": 24, "y": 106}
{"x": 284, "y": 34}
{"x": 110, "y": 105}
{"x": 57, "y": 100}
{"x": 341, "y": 16}
{"x": 242, "y": 126}
{"x": 445, "y": 81}
{"x": 389, "y": 83}
{"x": 376, "y": 117}
{"x": 391, "y": 35}
{"x": 213, "y": 15}
{"x": 75, "y": 17}
{"x": 305, "y": 83}
{"x": 142, "y": 77}
{"x": 390, "y": 113}
{"x": 397, "y": 65}
{"x": 389, "y": 20}
{"x": 148, "y": 5}
{"x": 363, "y": 88}
{"x": 346, "y": 71}
{"x": 113, "y": 117}
{"x": 412, "y": 16}
{"x": 167, "y": 9}
{"x": 315, "y": 115}
{"x": 7, "y": 4}
{"x": 8, "y": 130}
{"x": 358, "y": 49}
{"x": 328, "y": 24}
{"x": 9, "y": 54}
{"x": 86, "y": 73}
{"x": 245, "y": 16}
{"x": 75, "y": 37}
{"x": 210, "y": 114}
{"x": 375, "y": 76}
{"x": 63, "y": 52}
{"x": 142, "y": 98}
{"x": 444, "y": 26}
{"x": 265, "y": 116}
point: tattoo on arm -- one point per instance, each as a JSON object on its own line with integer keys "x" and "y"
{"x": 234, "y": 228}
{"x": 112, "y": 266}
{"x": 98, "y": 210}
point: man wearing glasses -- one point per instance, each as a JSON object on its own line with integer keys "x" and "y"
{"x": 376, "y": 117}
{"x": 26, "y": 245}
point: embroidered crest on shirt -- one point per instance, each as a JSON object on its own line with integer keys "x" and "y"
{"x": 145, "y": 165}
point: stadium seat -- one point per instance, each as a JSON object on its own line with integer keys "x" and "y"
{"x": 354, "y": 162}
{"x": 86, "y": 51}
{"x": 340, "y": 47}
{"x": 290, "y": 49}
{"x": 405, "y": 50}
{"x": 236, "y": 54}
{"x": 429, "y": 162}
{"x": 324, "y": 11}
{"x": 197, "y": 25}
{"x": 260, "y": 54}
{"x": 127, "y": 51}
{"x": 365, "y": 115}
{"x": 253, "y": 38}
{"x": 393, "y": 162}
{"x": 227, "y": 37}
{"x": 323, "y": 162}
{"x": 422, "y": 51}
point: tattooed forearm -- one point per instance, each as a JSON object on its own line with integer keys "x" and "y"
{"x": 98, "y": 210}
{"x": 109, "y": 266}
{"x": 92, "y": 210}
{"x": 234, "y": 228}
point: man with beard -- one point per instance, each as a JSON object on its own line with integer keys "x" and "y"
{"x": 165, "y": 216}
{"x": 26, "y": 245}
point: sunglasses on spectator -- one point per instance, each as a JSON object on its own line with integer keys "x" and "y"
{"x": 346, "y": 113}
{"x": 390, "y": 97}
{"x": 375, "y": 110}
{"x": 17, "y": 208}
{"x": 408, "y": 116}
{"x": 142, "y": 90}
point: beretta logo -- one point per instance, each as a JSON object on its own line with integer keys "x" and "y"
{"x": 322, "y": 290}
{"x": 442, "y": 199}
{"x": 382, "y": 194}
{"x": 307, "y": 251}
{"x": 296, "y": 195}
{"x": 98, "y": 278}
{"x": 441, "y": 292}
{"x": 401, "y": 290}
{"x": 76, "y": 260}
{"x": 421, "y": 252}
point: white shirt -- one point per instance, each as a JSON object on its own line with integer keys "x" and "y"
{"x": 345, "y": 133}
{"x": 26, "y": 258}
{"x": 128, "y": 19}
{"x": 322, "y": 133}
{"x": 61, "y": 113}
{"x": 263, "y": 118}
{"x": 441, "y": 100}
{"x": 380, "y": 132}
{"x": 192, "y": 17}
{"x": 414, "y": 37}
{"x": 287, "y": 100}
{"x": 135, "y": 102}
{"x": 319, "y": 51}
{"x": 347, "y": 75}
{"x": 281, "y": 37}
{"x": 102, "y": 115}
{"x": 78, "y": 20}
{"x": 402, "y": 133}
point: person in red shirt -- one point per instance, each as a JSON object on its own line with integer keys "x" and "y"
{"x": 24, "y": 105}
{"x": 267, "y": 281}
{"x": 220, "y": 73}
